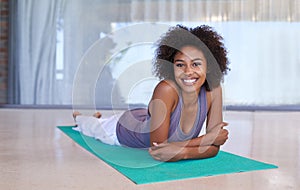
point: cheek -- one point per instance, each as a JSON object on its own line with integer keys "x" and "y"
{"x": 202, "y": 71}
{"x": 177, "y": 71}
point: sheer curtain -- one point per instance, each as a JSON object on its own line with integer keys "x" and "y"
{"x": 51, "y": 41}
{"x": 34, "y": 51}
{"x": 265, "y": 62}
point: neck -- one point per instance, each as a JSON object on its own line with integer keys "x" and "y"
{"x": 189, "y": 99}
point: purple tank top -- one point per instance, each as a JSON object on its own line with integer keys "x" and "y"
{"x": 133, "y": 127}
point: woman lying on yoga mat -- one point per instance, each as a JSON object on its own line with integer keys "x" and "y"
{"x": 191, "y": 64}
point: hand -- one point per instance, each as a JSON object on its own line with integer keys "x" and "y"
{"x": 221, "y": 138}
{"x": 166, "y": 152}
{"x": 219, "y": 135}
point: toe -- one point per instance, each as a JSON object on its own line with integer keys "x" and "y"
{"x": 97, "y": 115}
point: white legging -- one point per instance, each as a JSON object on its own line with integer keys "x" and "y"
{"x": 103, "y": 129}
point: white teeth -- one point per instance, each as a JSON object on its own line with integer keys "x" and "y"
{"x": 189, "y": 80}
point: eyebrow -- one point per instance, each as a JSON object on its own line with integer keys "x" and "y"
{"x": 180, "y": 60}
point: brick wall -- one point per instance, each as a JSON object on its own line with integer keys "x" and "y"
{"x": 3, "y": 50}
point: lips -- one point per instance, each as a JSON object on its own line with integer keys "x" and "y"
{"x": 189, "y": 81}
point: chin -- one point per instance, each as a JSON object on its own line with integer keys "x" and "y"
{"x": 190, "y": 88}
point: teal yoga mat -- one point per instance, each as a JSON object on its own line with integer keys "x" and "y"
{"x": 139, "y": 167}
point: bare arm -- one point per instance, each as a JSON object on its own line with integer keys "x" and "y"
{"x": 162, "y": 104}
{"x": 201, "y": 147}
{"x": 171, "y": 152}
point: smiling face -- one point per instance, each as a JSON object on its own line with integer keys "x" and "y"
{"x": 190, "y": 69}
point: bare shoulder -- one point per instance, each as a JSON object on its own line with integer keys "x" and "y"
{"x": 216, "y": 91}
{"x": 166, "y": 91}
{"x": 165, "y": 87}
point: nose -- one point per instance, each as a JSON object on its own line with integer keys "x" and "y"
{"x": 188, "y": 70}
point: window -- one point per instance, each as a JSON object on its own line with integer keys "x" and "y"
{"x": 98, "y": 53}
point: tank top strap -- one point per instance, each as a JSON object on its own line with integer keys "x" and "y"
{"x": 202, "y": 106}
{"x": 175, "y": 132}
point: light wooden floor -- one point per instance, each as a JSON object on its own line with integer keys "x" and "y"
{"x": 34, "y": 154}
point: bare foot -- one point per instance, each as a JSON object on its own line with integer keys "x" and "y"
{"x": 97, "y": 115}
{"x": 75, "y": 114}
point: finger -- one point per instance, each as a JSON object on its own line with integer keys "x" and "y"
{"x": 224, "y": 131}
{"x": 154, "y": 154}
{"x": 223, "y": 124}
{"x": 219, "y": 126}
{"x": 160, "y": 145}
{"x": 156, "y": 157}
{"x": 154, "y": 148}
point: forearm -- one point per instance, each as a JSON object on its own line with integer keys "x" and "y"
{"x": 200, "y": 152}
{"x": 201, "y": 141}
{"x": 172, "y": 152}
{"x": 217, "y": 136}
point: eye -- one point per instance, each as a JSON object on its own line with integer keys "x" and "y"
{"x": 179, "y": 65}
{"x": 197, "y": 64}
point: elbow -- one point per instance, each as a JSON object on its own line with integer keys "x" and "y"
{"x": 213, "y": 151}
{"x": 213, "y": 154}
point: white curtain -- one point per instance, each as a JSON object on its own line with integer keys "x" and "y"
{"x": 265, "y": 63}
{"x": 51, "y": 39}
{"x": 216, "y": 10}
{"x": 35, "y": 46}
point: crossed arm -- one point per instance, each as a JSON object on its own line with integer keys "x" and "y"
{"x": 205, "y": 146}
